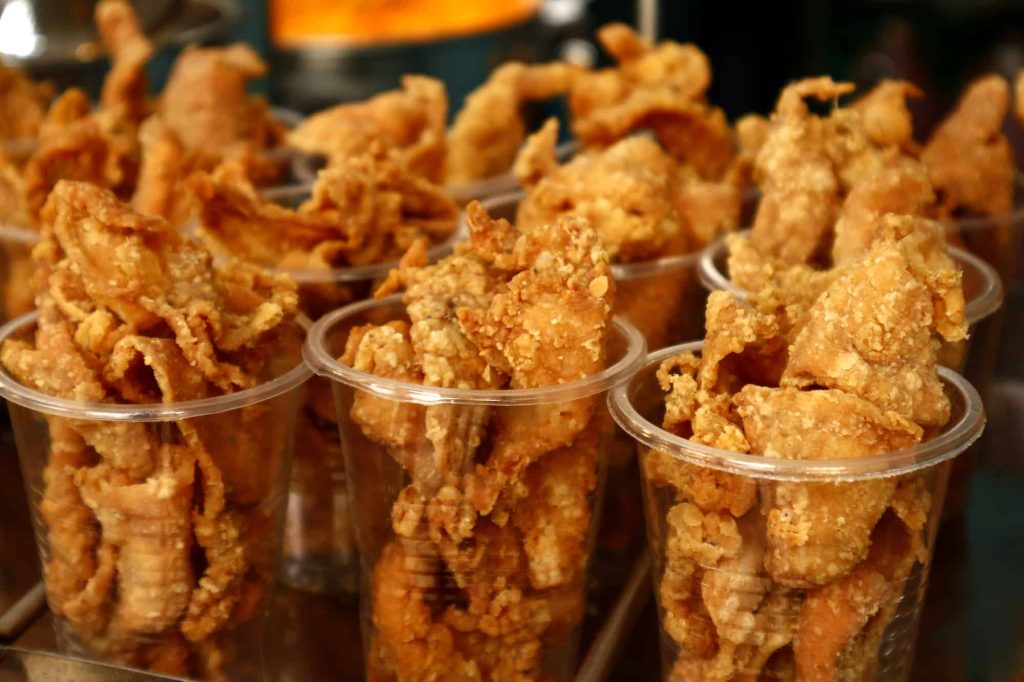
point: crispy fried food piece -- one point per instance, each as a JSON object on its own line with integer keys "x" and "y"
{"x": 799, "y": 187}
{"x": 206, "y": 105}
{"x": 363, "y": 210}
{"x": 660, "y": 88}
{"x": 547, "y": 325}
{"x": 741, "y": 346}
{"x": 80, "y": 572}
{"x": 751, "y": 132}
{"x": 75, "y": 145}
{"x": 124, "y": 91}
{"x": 411, "y": 643}
{"x": 22, "y": 104}
{"x": 969, "y": 159}
{"x": 554, "y": 517}
{"x": 694, "y": 412}
{"x": 885, "y": 116}
{"x": 13, "y": 210}
{"x": 902, "y": 188}
{"x": 832, "y": 617}
{"x": 784, "y": 291}
{"x": 408, "y": 124}
{"x": 489, "y": 129}
{"x": 879, "y": 345}
{"x": 150, "y": 527}
{"x": 818, "y": 531}
{"x": 164, "y": 164}
{"x": 143, "y": 271}
{"x": 626, "y": 192}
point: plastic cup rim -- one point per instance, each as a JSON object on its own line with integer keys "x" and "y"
{"x": 18, "y": 393}
{"x": 322, "y": 363}
{"x": 984, "y": 303}
{"x": 18, "y": 234}
{"x": 955, "y": 438}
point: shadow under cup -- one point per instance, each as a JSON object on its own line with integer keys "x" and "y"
{"x": 733, "y": 591}
{"x": 475, "y": 510}
{"x": 159, "y": 525}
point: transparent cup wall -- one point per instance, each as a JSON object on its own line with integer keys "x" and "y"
{"x": 16, "y": 270}
{"x": 490, "y": 575}
{"x": 998, "y": 240}
{"x": 741, "y": 596}
{"x": 159, "y": 526}
{"x": 319, "y": 544}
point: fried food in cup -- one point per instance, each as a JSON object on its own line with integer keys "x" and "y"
{"x": 489, "y": 128}
{"x": 968, "y": 156}
{"x": 408, "y": 124}
{"x": 498, "y": 504}
{"x": 132, "y": 312}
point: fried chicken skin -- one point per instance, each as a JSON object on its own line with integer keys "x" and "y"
{"x": 408, "y": 124}
{"x": 160, "y": 540}
{"x": 489, "y": 128}
{"x": 654, "y": 87}
{"x": 492, "y": 519}
{"x": 206, "y": 105}
{"x": 773, "y": 576}
{"x": 968, "y": 157}
{"x": 799, "y": 187}
{"x": 22, "y": 104}
{"x": 124, "y": 96}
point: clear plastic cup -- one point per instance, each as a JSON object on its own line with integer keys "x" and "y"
{"x": 998, "y": 240}
{"x": 319, "y": 552}
{"x": 735, "y": 598}
{"x": 446, "y": 590}
{"x": 975, "y": 357}
{"x": 16, "y": 270}
{"x": 159, "y": 525}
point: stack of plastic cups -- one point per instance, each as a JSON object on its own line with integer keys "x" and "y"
{"x": 728, "y": 608}
{"x": 426, "y": 598}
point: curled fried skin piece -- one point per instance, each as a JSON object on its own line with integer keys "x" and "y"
{"x": 800, "y": 191}
{"x": 969, "y": 159}
{"x": 660, "y": 88}
{"x": 871, "y": 334}
{"x": 483, "y": 140}
{"x": 124, "y": 90}
{"x": 206, "y": 104}
{"x": 885, "y": 116}
{"x": 407, "y": 123}
{"x": 819, "y": 531}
